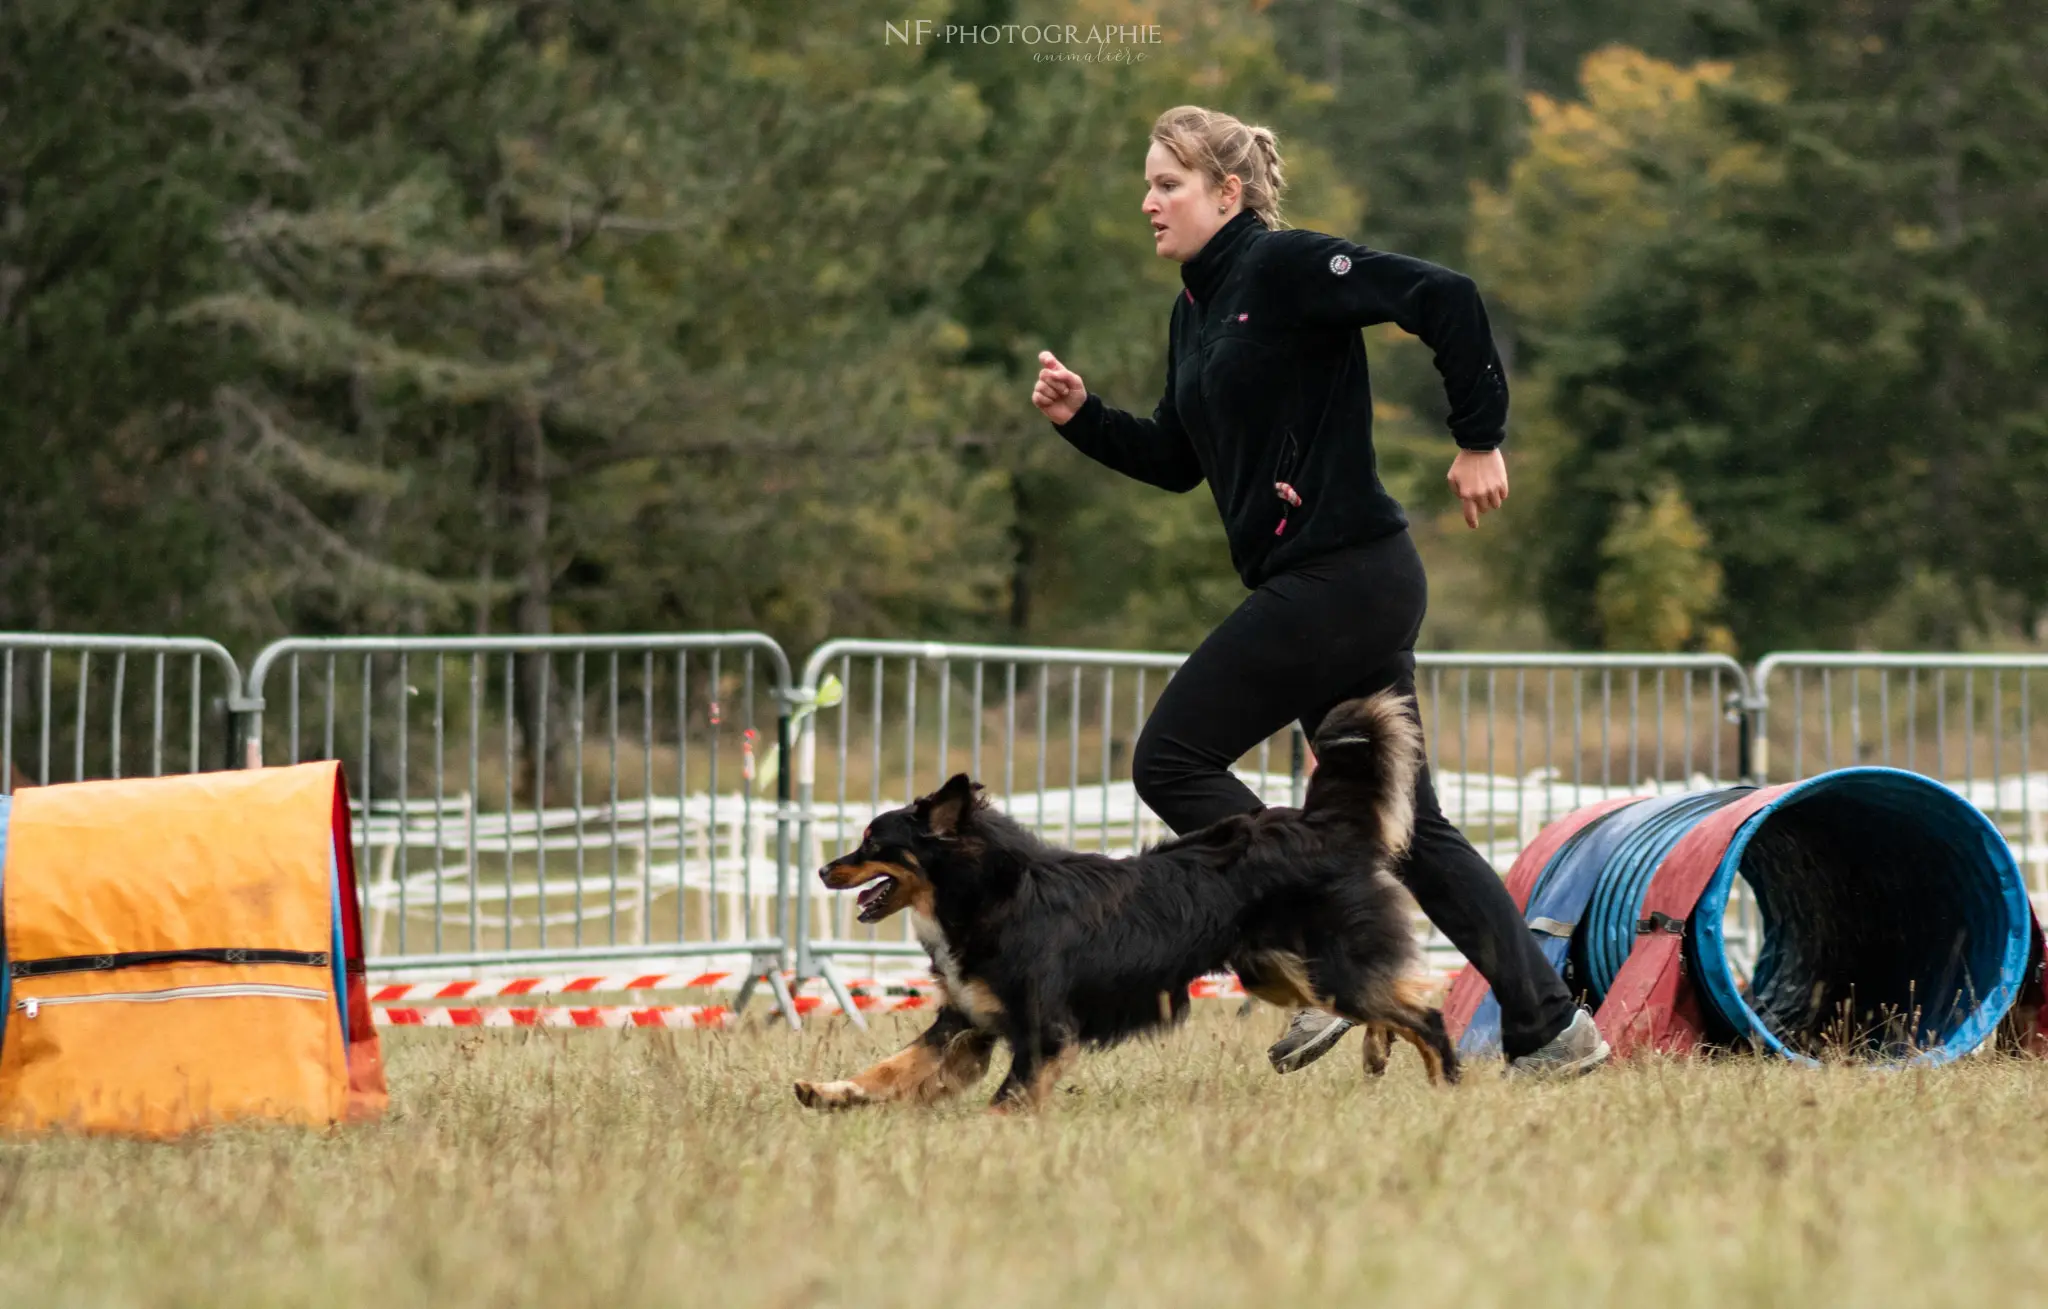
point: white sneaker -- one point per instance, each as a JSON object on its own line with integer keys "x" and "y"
{"x": 1578, "y": 1049}
{"x": 1310, "y": 1035}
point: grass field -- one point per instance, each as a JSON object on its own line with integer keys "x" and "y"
{"x": 675, "y": 1169}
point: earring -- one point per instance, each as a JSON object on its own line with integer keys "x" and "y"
{"x": 1222, "y": 209}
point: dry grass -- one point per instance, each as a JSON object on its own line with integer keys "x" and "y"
{"x": 626, "y": 1169}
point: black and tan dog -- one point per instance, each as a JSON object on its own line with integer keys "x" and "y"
{"x": 1048, "y": 949}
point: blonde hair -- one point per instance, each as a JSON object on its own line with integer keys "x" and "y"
{"x": 1216, "y": 145}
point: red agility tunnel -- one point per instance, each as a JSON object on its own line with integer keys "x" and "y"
{"x": 1895, "y": 923}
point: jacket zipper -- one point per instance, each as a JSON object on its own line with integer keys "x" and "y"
{"x": 30, "y": 1006}
{"x": 1290, "y": 499}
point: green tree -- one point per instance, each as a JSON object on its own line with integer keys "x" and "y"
{"x": 1907, "y": 232}
{"x": 1056, "y": 180}
{"x": 108, "y": 208}
{"x": 1797, "y": 298}
{"x": 1659, "y": 585}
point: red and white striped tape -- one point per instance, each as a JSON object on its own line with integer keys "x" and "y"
{"x": 661, "y": 1015}
{"x": 481, "y": 988}
{"x": 679, "y": 1015}
{"x": 696, "y": 1016}
{"x": 669, "y": 1016}
{"x": 498, "y": 988}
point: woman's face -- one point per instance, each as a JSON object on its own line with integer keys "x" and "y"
{"x": 1182, "y": 205}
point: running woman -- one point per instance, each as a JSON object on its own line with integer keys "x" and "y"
{"x": 1267, "y": 399}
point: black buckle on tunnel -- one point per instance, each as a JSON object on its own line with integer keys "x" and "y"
{"x": 1659, "y": 921}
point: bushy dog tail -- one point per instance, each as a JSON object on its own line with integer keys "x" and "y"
{"x": 1367, "y": 754}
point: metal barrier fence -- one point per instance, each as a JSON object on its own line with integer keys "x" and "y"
{"x": 534, "y": 800}
{"x": 1967, "y": 720}
{"x": 544, "y": 799}
{"x": 1515, "y": 741}
{"x": 73, "y": 708}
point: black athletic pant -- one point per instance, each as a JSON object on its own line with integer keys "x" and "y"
{"x": 1336, "y": 627}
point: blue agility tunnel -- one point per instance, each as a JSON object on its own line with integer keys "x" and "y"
{"x": 1894, "y": 921}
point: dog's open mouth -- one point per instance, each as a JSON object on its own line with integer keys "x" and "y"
{"x": 874, "y": 899}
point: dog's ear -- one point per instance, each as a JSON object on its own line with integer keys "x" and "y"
{"x": 948, "y": 809}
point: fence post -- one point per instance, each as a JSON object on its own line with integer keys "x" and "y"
{"x": 1297, "y": 777}
{"x": 809, "y": 964}
{"x": 803, "y": 764}
{"x": 1756, "y": 746}
{"x": 785, "y": 702}
{"x": 245, "y": 729}
{"x": 1736, "y": 708}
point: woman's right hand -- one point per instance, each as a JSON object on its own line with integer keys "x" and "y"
{"x": 1059, "y": 392}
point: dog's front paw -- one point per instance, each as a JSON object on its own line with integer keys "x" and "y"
{"x": 1015, "y": 1104}
{"x": 829, "y": 1095}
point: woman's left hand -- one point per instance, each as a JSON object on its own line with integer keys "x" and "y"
{"x": 1480, "y": 479}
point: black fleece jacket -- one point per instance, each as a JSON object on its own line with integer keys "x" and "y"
{"x": 1266, "y": 384}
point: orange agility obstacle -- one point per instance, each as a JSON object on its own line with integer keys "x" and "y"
{"x": 180, "y": 952}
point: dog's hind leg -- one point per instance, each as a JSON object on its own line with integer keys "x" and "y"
{"x": 949, "y": 1056}
{"x": 1433, "y": 1042}
{"x": 1279, "y": 977}
{"x": 1379, "y": 1043}
{"x": 1399, "y": 1007}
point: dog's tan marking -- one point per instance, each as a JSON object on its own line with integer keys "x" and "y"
{"x": 976, "y": 997}
{"x": 1281, "y": 978}
{"x": 1379, "y": 1044}
{"x": 1432, "y": 1062}
{"x": 919, "y": 1073}
{"x": 844, "y": 877}
{"x": 1041, "y": 1086}
{"x": 1416, "y": 991}
{"x": 912, "y": 889}
{"x": 1049, "y": 1074}
{"x": 1401, "y": 1007}
{"x": 966, "y": 1063}
{"x": 894, "y": 1078}
{"x": 831, "y": 1095}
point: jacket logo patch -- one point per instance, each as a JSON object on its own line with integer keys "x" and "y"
{"x": 1340, "y": 264}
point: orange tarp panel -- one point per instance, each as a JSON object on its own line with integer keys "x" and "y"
{"x": 215, "y": 866}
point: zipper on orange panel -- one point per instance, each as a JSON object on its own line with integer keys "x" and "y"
{"x": 30, "y": 1006}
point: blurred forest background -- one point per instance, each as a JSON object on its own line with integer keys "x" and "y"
{"x": 412, "y": 316}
